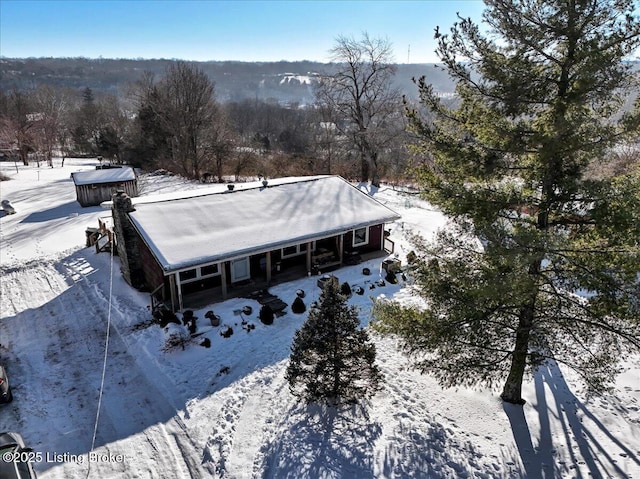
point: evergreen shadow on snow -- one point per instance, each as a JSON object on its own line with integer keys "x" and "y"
{"x": 324, "y": 442}
{"x": 542, "y": 459}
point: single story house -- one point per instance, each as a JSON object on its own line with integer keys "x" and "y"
{"x": 95, "y": 186}
{"x": 246, "y": 235}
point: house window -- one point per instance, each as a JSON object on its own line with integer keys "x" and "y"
{"x": 196, "y": 274}
{"x": 296, "y": 250}
{"x": 361, "y": 236}
{"x": 290, "y": 251}
{"x": 188, "y": 275}
{"x": 210, "y": 270}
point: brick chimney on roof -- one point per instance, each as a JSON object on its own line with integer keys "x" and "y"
{"x": 127, "y": 240}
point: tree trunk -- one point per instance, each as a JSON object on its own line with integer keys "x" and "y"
{"x": 218, "y": 163}
{"x": 364, "y": 169}
{"x": 373, "y": 167}
{"x": 24, "y": 156}
{"x": 512, "y": 391}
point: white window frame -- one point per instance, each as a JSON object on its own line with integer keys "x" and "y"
{"x": 199, "y": 274}
{"x": 209, "y": 275}
{"x": 299, "y": 250}
{"x": 366, "y": 237}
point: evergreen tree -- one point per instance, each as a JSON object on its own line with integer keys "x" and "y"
{"x": 540, "y": 263}
{"x": 332, "y": 359}
{"x": 87, "y": 120}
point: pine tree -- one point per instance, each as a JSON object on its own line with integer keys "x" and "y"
{"x": 332, "y": 359}
{"x": 540, "y": 262}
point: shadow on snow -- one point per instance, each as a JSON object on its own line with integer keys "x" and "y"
{"x": 56, "y": 379}
{"x": 578, "y": 447}
{"x": 324, "y": 442}
{"x": 61, "y": 211}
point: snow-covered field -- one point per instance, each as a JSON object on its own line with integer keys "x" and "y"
{"x": 226, "y": 411}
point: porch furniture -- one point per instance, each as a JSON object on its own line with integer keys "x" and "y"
{"x": 323, "y": 259}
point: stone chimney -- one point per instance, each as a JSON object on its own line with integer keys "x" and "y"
{"x": 127, "y": 240}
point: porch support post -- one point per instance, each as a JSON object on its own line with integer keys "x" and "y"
{"x": 309, "y": 246}
{"x": 268, "y": 267}
{"x": 223, "y": 278}
{"x": 341, "y": 247}
{"x": 382, "y": 237}
{"x": 179, "y": 285}
{"x": 172, "y": 287}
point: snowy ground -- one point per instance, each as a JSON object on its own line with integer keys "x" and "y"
{"x": 226, "y": 411}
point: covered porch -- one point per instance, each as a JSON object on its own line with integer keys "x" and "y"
{"x": 200, "y": 299}
{"x": 242, "y": 277}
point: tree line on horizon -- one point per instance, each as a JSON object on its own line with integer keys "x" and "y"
{"x": 535, "y": 165}
{"x": 174, "y": 121}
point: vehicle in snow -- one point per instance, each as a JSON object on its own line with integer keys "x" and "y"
{"x": 8, "y": 207}
{"x": 15, "y": 457}
{"x": 5, "y": 389}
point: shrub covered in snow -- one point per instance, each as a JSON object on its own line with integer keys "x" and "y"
{"x": 266, "y": 314}
{"x": 298, "y": 306}
{"x": 345, "y": 290}
{"x": 177, "y": 337}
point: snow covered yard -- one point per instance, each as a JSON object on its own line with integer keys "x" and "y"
{"x": 225, "y": 411}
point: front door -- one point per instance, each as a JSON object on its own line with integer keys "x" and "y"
{"x": 240, "y": 269}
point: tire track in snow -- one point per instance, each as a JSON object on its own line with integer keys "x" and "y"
{"x": 174, "y": 432}
{"x": 57, "y": 313}
{"x": 240, "y": 429}
{"x": 255, "y": 422}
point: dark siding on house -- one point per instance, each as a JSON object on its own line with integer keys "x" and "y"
{"x": 375, "y": 238}
{"x": 374, "y": 244}
{"x": 151, "y": 270}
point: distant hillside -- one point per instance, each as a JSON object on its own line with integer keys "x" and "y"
{"x": 286, "y": 82}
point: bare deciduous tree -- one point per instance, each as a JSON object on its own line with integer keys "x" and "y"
{"x": 51, "y": 106}
{"x": 219, "y": 143}
{"x": 360, "y": 93}
{"x": 16, "y": 123}
{"x": 181, "y": 114}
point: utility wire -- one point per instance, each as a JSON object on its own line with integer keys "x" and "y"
{"x": 106, "y": 351}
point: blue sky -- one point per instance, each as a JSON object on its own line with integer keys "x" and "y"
{"x": 242, "y": 30}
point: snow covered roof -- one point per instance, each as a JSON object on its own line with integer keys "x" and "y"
{"x": 109, "y": 175}
{"x": 212, "y": 189}
{"x": 217, "y": 227}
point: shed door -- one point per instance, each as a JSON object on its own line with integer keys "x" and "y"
{"x": 240, "y": 269}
